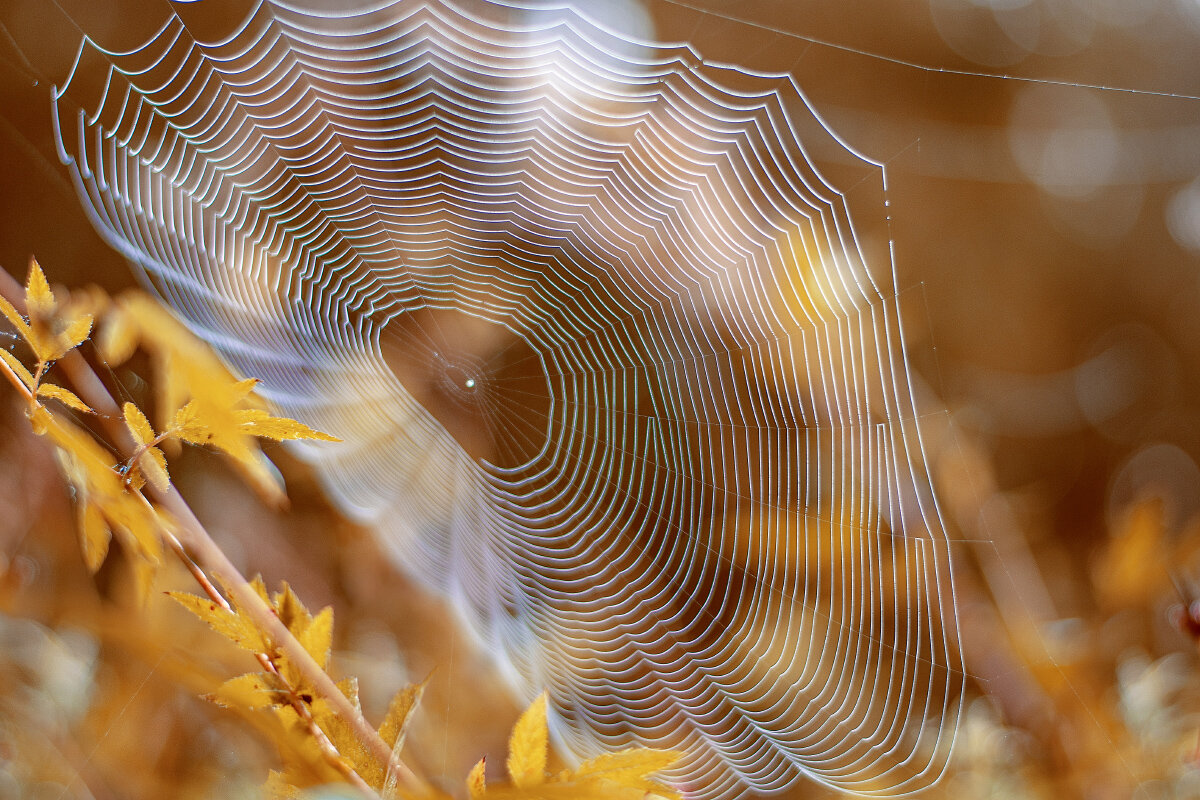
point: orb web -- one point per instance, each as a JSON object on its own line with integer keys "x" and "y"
{"x": 611, "y": 369}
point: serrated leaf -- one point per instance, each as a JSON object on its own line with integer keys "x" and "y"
{"x": 260, "y": 589}
{"x": 39, "y": 300}
{"x": 297, "y": 620}
{"x": 341, "y": 734}
{"x": 476, "y": 785}
{"x": 138, "y": 425}
{"x": 629, "y": 768}
{"x": 232, "y": 626}
{"x": 44, "y": 344}
{"x": 16, "y": 366}
{"x": 250, "y": 691}
{"x": 15, "y": 319}
{"x": 53, "y": 338}
{"x": 527, "y": 746}
{"x": 290, "y": 609}
{"x": 212, "y": 421}
{"x": 395, "y": 728}
{"x": 188, "y": 426}
{"x": 400, "y": 714}
{"x": 40, "y": 305}
{"x": 64, "y": 396}
{"x": 317, "y": 637}
{"x": 260, "y": 423}
{"x": 76, "y": 333}
{"x": 153, "y": 464}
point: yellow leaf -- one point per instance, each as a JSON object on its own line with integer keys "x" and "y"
{"x": 232, "y": 626}
{"x": 260, "y": 589}
{"x": 138, "y": 425}
{"x": 75, "y": 334}
{"x": 349, "y": 687}
{"x": 44, "y": 331}
{"x": 153, "y": 464}
{"x": 118, "y": 338}
{"x": 527, "y": 746}
{"x": 39, "y": 300}
{"x": 94, "y": 536}
{"x": 14, "y": 317}
{"x": 476, "y": 785}
{"x": 297, "y": 620}
{"x": 317, "y": 637}
{"x": 395, "y": 728}
{"x": 343, "y": 737}
{"x": 16, "y": 366}
{"x": 251, "y": 691}
{"x": 306, "y": 766}
{"x": 87, "y": 467}
{"x": 260, "y": 423}
{"x": 90, "y": 470}
{"x": 198, "y": 399}
{"x": 44, "y": 344}
{"x": 188, "y": 427}
{"x": 629, "y": 768}
{"x": 52, "y": 338}
{"x": 211, "y": 420}
{"x": 292, "y": 612}
{"x": 63, "y": 396}
{"x": 399, "y": 715}
{"x": 242, "y": 389}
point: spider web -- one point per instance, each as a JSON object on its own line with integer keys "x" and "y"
{"x": 612, "y": 369}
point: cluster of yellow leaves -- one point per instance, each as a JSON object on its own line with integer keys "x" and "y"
{"x": 297, "y": 706}
{"x": 625, "y": 775}
{"x": 202, "y": 404}
{"x": 198, "y": 401}
{"x": 50, "y": 335}
{"x": 104, "y": 502}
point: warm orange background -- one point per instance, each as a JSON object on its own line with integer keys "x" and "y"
{"x": 1051, "y": 296}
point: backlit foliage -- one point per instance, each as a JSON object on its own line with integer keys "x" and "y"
{"x": 121, "y": 485}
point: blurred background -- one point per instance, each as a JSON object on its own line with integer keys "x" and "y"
{"x": 1043, "y": 172}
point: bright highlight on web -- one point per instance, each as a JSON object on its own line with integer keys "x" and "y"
{"x": 611, "y": 369}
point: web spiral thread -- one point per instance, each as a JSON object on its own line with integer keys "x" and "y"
{"x": 611, "y": 369}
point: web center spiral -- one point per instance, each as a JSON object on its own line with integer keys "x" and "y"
{"x": 481, "y": 381}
